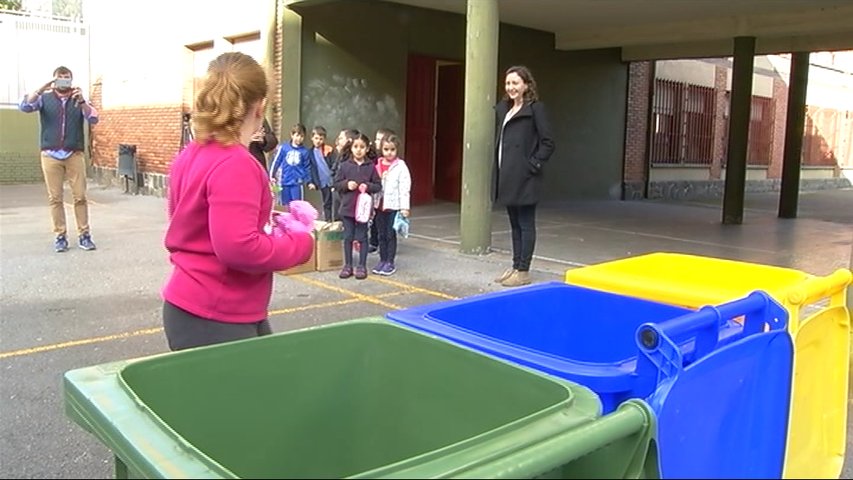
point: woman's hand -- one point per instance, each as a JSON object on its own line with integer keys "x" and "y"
{"x": 351, "y": 185}
{"x": 534, "y": 166}
{"x": 405, "y": 213}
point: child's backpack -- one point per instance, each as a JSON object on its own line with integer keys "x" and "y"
{"x": 363, "y": 205}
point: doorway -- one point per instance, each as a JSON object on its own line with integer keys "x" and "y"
{"x": 434, "y": 128}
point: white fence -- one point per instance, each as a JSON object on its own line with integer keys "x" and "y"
{"x": 31, "y": 47}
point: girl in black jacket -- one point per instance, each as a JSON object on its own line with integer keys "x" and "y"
{"x": 524, "y": 144}
{"x": 356, "y": 169}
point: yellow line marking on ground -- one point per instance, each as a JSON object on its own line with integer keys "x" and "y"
{"x": 77, "y": 343}
{"x": 355, "y": 298}
{"x": 313, "y": 306}
{"x": 365, "y": 298}
{"x": 392, "y": 294}
{"x": 152, "y": 331}
{"x": 412, "y": 288}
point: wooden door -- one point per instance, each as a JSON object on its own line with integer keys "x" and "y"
{"x": 420, "y": 126}
{"x": 449, "y": 131}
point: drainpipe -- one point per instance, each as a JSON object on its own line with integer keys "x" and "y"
{"x": 481, "y": 65}
{"x": 650, "y": 135}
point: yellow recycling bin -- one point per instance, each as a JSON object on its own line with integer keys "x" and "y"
{"x": 819, "y": 323}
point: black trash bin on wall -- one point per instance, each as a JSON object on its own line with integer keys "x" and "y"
{"x": 127, "y": 166}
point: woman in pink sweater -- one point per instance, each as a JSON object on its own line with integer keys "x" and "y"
{"x": 220, "y": 234}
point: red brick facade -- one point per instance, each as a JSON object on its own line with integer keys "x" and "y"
{"x": 780, "y": 96}
{"x": 156, "y": 132}
{"x": 721, "y": 103}
{"x": 637, "y": 122}
{"x": 275, "y": 94}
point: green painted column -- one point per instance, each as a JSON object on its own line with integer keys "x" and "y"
{"x": 741, "y": 103}
{"x": 795, "y": 123}
{"x": 481, "y": 65}
{"x": 291, "y": 72}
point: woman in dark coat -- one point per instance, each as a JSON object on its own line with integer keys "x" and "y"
{"x": 522, "y": 148}
{"x": 263, "y": 142}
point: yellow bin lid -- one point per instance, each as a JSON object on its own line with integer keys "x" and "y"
{"x": 690, "y": 281}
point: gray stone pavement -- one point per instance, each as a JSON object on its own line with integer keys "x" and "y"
{"x": 77, "y": 309}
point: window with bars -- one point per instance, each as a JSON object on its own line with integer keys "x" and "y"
{"x": 760, "y": 142}
{"x": 828, "y": 137}
{"x": 682, "y": 124}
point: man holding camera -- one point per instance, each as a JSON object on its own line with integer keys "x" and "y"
{"x": 62, "y": 110}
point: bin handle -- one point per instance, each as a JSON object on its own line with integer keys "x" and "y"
{"x": 758, "y": 308}
{"x": 816, "y": 288}
{"x": 659, "y": 362}
{"x": 660, "y": 359}
{"x": 631, "y": 418}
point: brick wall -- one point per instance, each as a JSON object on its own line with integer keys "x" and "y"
{"x": 636, "y": 130}
{"x": 20, "y": 161}
{"x": 155, "y": 130}
{"x": 275, "y": 96}
{"x": 721, "y": 102}
{"x": 777, "y": 149}
{"x": 18, "y": 167}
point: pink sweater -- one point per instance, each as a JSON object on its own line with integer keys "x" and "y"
{"x": 219, "y": 206}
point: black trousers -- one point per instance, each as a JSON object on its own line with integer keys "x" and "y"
{"x": 522, "y": 219}
{"x": 185, "y": 330}
{"x": 354, "y": 231}
{"x": 329, "y": 213}
{"x": 384, "y": 221}
{"x": 374, "y": 232}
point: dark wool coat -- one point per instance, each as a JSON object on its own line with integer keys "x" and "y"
{"x": 527, "y": 144}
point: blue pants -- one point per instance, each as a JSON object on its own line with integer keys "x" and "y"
{"x": 289, "y": 193}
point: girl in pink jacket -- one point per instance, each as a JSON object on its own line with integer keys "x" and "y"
{"x": 222, "y": 241}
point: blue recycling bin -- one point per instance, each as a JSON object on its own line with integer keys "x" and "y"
{"x": 719, "y": 378}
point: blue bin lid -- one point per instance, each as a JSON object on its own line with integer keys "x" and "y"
{"x": 573, "y": 332}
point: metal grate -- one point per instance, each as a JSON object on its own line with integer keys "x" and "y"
{"x": 761, "y": 122}
{"x": 827, "y": 137}
{"x": 682, "y": 124}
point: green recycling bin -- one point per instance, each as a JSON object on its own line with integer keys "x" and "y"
{"x": 357, "y": 399}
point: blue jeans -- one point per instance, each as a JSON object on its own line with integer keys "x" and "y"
{"x": 290, "y": 193}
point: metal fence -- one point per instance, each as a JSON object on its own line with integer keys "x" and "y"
{"x": 684, "y": 116}
{"x": 828, "y": 139}
{"x": 34, "y": 46}
{"x": 761, "y": 119}
{"x": 683, "y": 124}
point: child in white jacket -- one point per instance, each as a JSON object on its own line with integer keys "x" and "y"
{"x": 396, "y": 190}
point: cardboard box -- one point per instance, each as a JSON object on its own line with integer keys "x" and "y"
{"x": 328, "y": 245}
{"x": 306, "y": 267}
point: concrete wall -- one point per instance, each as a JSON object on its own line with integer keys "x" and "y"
{"x": 701, "y": 72}
{"x": 354, "y": 75}
{"x": 19, "y": 147}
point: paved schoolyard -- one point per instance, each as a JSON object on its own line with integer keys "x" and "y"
{"x": 76, "y": 309}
